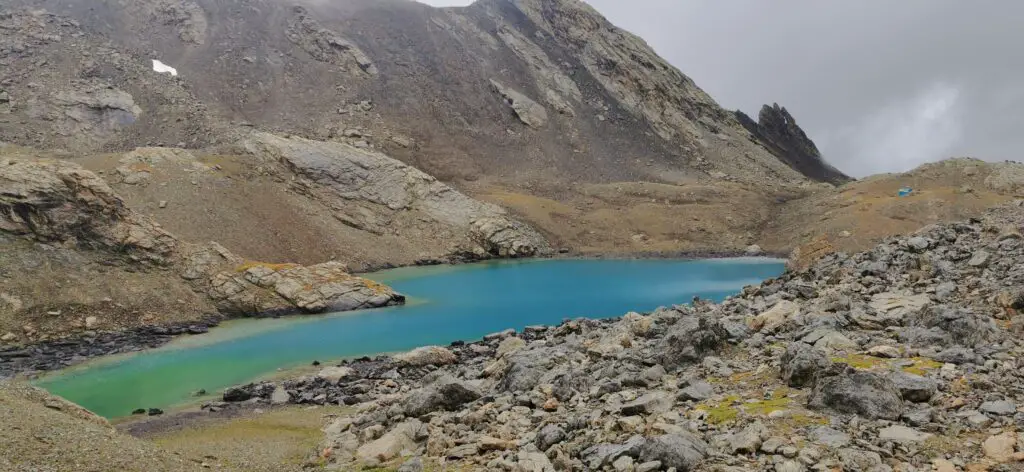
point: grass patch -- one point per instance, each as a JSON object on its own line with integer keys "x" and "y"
{"x": 922, "y": 365}
{"x": 862, "y": 362}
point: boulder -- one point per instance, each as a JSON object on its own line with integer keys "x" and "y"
{"x": 446, "y": 393}
{"x": 427, "y": 355}
{"x": 862, "y": 393}
{"x": 683, "y": 451}
{"x": 802, "y": 364}
{"x": 690, "y": 340}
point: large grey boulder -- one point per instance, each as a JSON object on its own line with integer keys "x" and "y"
{"x": 683, "y": 451}
{"x": 446, "y": 393}
{"x": 861, "y": 393}
{"x": 802, "y": 363}
{"x": 690, "y": 340}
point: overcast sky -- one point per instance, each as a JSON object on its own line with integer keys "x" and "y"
{"x": 880, "y": 85}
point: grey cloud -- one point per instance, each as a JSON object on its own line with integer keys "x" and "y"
{"x": 882, "y": 86}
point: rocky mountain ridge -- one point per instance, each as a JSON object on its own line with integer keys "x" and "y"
{"x": 498, "y": 89}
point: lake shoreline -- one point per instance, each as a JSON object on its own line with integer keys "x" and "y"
{"x": 667, "y": 284}
{"x": 39, "y": 358}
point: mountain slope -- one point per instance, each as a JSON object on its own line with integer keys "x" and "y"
{"x": 517, "y": 90}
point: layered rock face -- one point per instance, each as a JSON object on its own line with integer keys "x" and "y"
{"x": 903, "y": 357}
{"x": 375, "y": 193}
{"x": 71, "y": 246}
{"x": 776, "y": 129}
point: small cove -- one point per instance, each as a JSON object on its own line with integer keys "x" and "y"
{"x": 446, "y": 303}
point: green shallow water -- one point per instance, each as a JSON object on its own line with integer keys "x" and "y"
{"x": 446, "y": 303}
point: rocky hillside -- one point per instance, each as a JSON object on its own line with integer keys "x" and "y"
{"x": 75, "y": 257}
{"x": 904, "y": 357}
{"x": 44, "y": 432}
{"x": 519, "y": 90}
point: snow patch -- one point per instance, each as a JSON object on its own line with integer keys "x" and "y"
{"x": 164, "y": 68}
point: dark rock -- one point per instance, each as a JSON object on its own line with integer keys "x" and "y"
{"x": 862, "y": 393}
{"x": 802, "y": 364}
{"x": 139, "y": 411}
{"x": 155, "y": 412}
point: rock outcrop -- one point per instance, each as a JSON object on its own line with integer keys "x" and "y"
{"x": 62, "y": 225}
{"x": 371, "y": 191}
{"x": 776, "y": 129}
{"x": 692, "y": 388}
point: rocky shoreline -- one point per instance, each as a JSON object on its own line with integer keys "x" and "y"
{"x": 905, "y": 357}
{"x": 58, "y": 354}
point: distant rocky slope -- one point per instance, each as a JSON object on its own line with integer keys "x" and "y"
{"x": 903, "y": 357}
{"x": 519, "y": 90}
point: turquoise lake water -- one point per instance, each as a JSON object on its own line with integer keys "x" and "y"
{"x": 446, "y": 303}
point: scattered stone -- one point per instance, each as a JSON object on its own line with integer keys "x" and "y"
{"x": 696, "y": 391}
{"x": 980, "y": 259}
{"x": 1000, "y": 408}
{"x": 827, "y": 436}
{"x": 649, "y": 404}
{"x": 902, "y": 434}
